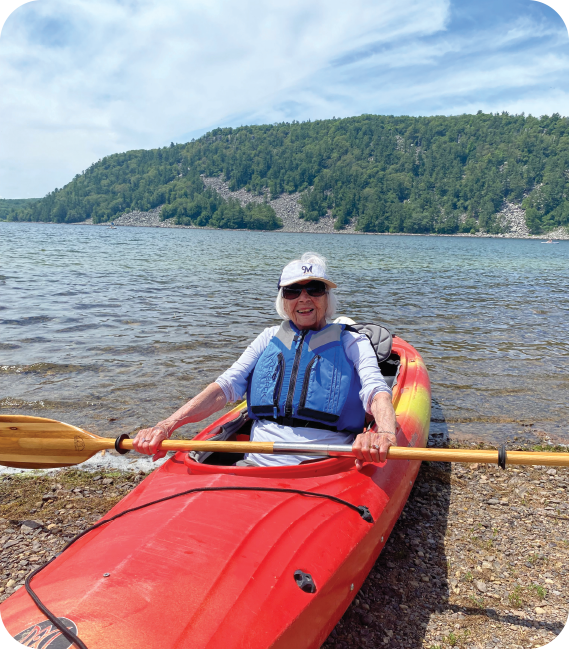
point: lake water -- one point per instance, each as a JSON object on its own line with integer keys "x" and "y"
{"x": 114, "y": 329}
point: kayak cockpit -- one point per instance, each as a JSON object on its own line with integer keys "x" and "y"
{"x": 239, "y": 429}
{"x": 236, "y": 426}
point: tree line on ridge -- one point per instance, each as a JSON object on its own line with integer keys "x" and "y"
{"x": 384, "y": 173}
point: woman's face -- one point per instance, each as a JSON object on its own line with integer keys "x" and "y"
{"x": 307, "y": 312}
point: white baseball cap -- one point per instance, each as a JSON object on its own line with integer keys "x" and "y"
{"x": 297, "y": 271}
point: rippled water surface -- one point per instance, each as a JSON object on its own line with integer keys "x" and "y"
{"x": 112, "y": 329}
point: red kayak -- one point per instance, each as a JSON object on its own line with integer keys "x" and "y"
{"x": 254, "y": 566}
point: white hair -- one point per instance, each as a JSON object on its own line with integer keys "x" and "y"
{"x": 310, "y": 258}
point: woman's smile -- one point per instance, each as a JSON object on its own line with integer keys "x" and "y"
{"x": 307, "y": 312}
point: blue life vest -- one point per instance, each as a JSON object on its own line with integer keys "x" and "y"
{"x": 304, "y": 378}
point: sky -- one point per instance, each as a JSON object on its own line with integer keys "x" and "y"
{"x": 81, "y": 79}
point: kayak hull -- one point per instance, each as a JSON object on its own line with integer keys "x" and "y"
{"x": 216, "y": 569}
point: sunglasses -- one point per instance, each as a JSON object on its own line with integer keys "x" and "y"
{"x": 314, "y": 289}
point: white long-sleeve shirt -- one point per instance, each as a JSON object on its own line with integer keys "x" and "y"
{"x": 233, "y": 382}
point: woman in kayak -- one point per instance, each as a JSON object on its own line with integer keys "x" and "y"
{"x": 307, "y": 380}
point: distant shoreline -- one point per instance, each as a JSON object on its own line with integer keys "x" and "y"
{"x": 557, "y": 236}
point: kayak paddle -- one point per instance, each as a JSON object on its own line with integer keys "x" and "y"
{"x": 38, "y": 443}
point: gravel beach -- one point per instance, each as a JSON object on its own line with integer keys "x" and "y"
{"x": 478, "y": 558}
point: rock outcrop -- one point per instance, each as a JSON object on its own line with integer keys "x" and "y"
{"x": 286, "y": 206}
{"x": 512, "y": 217}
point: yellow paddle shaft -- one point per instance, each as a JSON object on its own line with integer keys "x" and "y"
{"x": 394, "y": 453}
{"x": 477, "y": 456}
{"x": 100, "y": 444}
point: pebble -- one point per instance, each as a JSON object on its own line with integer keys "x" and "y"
{"x": 38, "y": 539}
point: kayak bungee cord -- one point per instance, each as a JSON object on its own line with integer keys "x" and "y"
{"x": 362, "y": 510}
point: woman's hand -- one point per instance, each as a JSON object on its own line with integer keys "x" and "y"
{"x": 372, "y": 446}
{"x": 148, "y": 440}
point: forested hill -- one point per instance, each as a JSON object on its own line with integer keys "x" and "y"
{"x": 11, "y": 205}
{"x": 390, "y": 174}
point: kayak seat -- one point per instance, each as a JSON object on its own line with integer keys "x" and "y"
{"x": 381, "y": 340}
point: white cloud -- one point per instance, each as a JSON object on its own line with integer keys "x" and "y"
{"x": 80, "y": 79}
{"x": 83, "y": 78}
{"x": 515, "y": 66}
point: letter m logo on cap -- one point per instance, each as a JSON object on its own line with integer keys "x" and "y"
{"x": 306, "y": 269}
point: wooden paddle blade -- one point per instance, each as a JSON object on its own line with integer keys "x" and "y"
{"x": 22, "y": 443}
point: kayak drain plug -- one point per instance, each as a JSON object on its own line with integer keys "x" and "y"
{"x": 304, "y": 581}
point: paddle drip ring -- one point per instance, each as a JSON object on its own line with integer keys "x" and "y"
{"x": 502, "y": 456}
{"x": 118, "y": 440}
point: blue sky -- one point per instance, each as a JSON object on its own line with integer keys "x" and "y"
{"x": 80, "y": 79}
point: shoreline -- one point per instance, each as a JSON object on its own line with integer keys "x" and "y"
{"x": 480, "y": 235}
